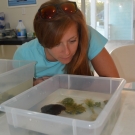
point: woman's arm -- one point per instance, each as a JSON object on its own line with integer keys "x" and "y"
{"x": 39, "y": 80}
{"x": 104, "y": 65}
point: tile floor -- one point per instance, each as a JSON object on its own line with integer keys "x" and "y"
{"x": 111, "y": 45}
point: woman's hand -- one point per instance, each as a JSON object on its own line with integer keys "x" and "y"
{"x": 39, "y": 80}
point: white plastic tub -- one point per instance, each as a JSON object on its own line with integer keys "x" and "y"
{"x": 15, "y": 77}
{"x": 24, "y": 116}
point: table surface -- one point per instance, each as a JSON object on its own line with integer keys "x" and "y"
{"x": 14, "y": 41}
{"x": 125, "y": 124}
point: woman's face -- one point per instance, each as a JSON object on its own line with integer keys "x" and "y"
{"x": 67, "y": 47}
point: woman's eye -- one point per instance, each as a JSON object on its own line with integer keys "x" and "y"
{"x": 57, "y": 45}
{"x": 72, "y": 41}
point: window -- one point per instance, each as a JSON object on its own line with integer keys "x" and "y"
{"x": 112, "y": 18}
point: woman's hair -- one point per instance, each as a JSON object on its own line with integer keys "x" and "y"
{"x": 49, "y": 33}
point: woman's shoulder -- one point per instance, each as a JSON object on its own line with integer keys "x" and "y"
{"x": 93, "y": 33}
{"x": 96, "y": 42}
{"x": 28, "y": 50}
{"x": 31, "y": 44}
{"x": 90, "y": 29}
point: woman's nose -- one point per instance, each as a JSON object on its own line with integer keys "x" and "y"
{"x": 66, "y": 49}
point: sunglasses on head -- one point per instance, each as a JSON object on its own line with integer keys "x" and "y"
{"x": 48, "y": 12}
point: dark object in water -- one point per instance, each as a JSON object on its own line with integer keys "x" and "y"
{"x": 53, "y": 109}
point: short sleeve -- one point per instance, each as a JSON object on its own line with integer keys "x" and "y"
{"x": 96, "y": 43}
{"x": 19, "y": 54}
{"x": 28, "y": 51}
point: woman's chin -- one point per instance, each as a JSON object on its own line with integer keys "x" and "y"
{"x": 65, "y": 61}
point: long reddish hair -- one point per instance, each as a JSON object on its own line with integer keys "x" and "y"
{"x": 49, "y": 33}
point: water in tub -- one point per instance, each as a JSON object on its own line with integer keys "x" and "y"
{"x": 79, "y": 97}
